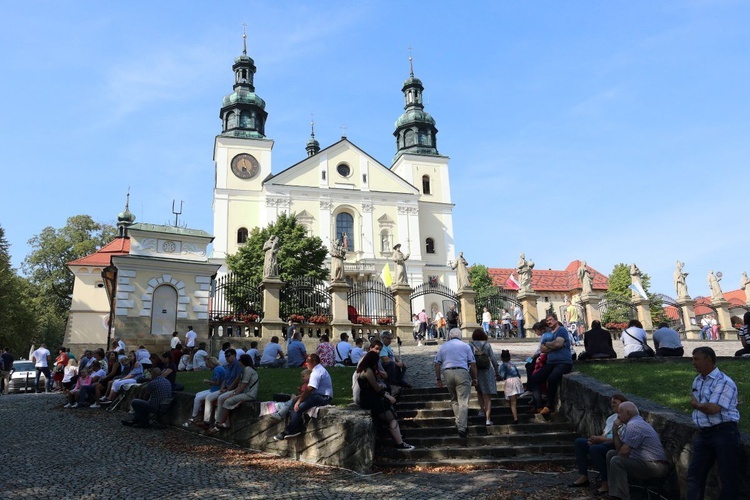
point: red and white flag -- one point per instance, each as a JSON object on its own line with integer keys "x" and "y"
{"x": 512, "y": 283}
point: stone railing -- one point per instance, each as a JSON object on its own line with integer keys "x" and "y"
{"x": 585, "y": 403}
{"x": 340, "y": 437}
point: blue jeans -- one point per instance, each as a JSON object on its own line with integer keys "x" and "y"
{"x": 295, "y": 421}
{"x": 598, "y": 453}
{"x": 141, "y": 409}
{"x": 718, "y": 443}
{"x": 486, "y": 327}
{"x": 552, "y": 374}
{"x": 47, "y": 374}
{"x": 521, "y": 332}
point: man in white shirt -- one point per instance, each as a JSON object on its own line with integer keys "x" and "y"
{"x": 319, "y": 392}
{"x": 40, "y": 359}
{"x": 518, "y": 314}
{"x": 190, "y": 337}
{"x": 343, "y": 348}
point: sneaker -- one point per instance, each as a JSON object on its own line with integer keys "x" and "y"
{"x": 95, "y": 405}
{"x": 292, "y": 434}
{"x": 462, "y": 434}
{"x": 279, "y": 437}
{"x": 276, "y": 416}
{"x": 404, "y": 447}
{"x": 105, "y": 403}
{"x": 213, "y": 430}
{"x": 103, "y": 398}
{"x": 419, "y": 344}
{"x": 186, "y": 425}
{"x": 75, "y": 405}
{"x": 488, "y": 423}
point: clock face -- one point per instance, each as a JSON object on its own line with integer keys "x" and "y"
{"x": 245, "y": 166}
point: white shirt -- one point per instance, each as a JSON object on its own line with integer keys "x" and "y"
{"x": 631, "y": 344}
{"x": 40, "y": 356}
{"x": 519, "y": 314}
{"x": 173, "y": 343}
{"x": 320, "y": 381}
{"x": 190, "y": 337}
{"x": 486, "y": 317}
{"x": 199, "y": 359}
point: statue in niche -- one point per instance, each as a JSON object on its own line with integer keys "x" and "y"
{"x": 524, "y": 270}
{"x": 270, "y": 263}
{"x": 400, "y": 259}
{"x": 680, "y": 283}
{"x": 462, "y": 271}
{"x": 338, "y": 254}
{"x": 584, "y": 276}
{"x": 713, "y": 284}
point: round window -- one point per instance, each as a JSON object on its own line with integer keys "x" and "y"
{"x": 343, "y": 170}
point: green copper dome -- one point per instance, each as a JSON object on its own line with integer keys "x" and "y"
{"x": 243, "y": 96}
{"x": 415, "y": 116}
{"x": 243, "y": 112}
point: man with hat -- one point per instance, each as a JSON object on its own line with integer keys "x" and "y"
{"x": 392, "y": 364}
{"x": 455, "y": 367}
{"x": 400, "y": 259}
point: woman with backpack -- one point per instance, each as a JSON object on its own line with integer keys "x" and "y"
{"x": 487, "y": 372}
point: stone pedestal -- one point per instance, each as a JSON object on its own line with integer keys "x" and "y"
{"x": 589, "y": 303}
{"x": 644, "y": 313}
{"x": 530, "y": 313}
{"x": 466, "y": 296}
{"x": 687, "y": 312}
{"x": 724, "y": 318}
{"x": 271, "y": 321}
{"x": 339, "y": 308}
{"x": 401, "y": 294}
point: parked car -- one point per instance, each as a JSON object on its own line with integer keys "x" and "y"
{"x": 22, "y": 377}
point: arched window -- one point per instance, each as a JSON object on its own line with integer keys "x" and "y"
{"x": 429, "y": 244}
{"x": 345, "y": 226}
{"x": 241, "y": 235}
{"x": 426, "y": 184}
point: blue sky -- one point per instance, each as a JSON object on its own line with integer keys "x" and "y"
{"x": 607, "y": 131}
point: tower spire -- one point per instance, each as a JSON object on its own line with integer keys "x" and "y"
{"x": 411, "y": 64}
{"x": 415, "y": 129}
{"x": 125, "y": 218}
{"x": 313, "y": 146}
{"x": 244, "y": 39}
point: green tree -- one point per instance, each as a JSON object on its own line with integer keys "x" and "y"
{"x": 16, "y": 315}
{"x": 619, "y": 293}
{"x": 481, "y": 282}
{"x": 51, "y": 280}
{"x": 299, "y": 256}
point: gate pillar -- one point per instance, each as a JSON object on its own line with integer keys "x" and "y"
{"x": 530, "y": 312}
{"x": 724, "y": 319}
{"x": 401, "y": 296}
{"x": 466, "y": 296}
{"x": 687, "y": 310}
{"x": 339, "y": 308}
{"x": 644, "y": 313}
{"x": 589, "y": 303}
{"x": 271, "y": 322}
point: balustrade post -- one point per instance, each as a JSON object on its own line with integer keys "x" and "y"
{"x": 272, "y": 324}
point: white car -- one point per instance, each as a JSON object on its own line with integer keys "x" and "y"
{"x": 22, "y": 377}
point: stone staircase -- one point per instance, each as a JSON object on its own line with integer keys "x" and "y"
{"x": 427, "y": 422}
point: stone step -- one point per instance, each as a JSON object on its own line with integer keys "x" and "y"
{"x": 450, "y": 421}
{"x": 473, "y": 405}
{"x": 470, "y": 451}
{"x": 447, "y": 411}
{"x": 406, "y": 460}
{"x": 452, "y": 439}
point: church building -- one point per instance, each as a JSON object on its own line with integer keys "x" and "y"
{"x": 339, "y": 192}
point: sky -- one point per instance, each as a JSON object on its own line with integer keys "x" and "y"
{"x": 605, "y": 131}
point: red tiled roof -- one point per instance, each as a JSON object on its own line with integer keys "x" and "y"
{"x": 103, "y": 256}
{"x": 551, "y": 280}
{"x": 672, "y": 313}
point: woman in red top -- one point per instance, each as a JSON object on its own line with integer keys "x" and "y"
{"x": 60, "y": 363}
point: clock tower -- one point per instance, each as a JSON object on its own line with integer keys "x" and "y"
{"x": 242, "y": 159}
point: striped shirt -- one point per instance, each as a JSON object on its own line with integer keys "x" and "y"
{"x": 643, "y": 440}
{"x": 719, "y": 389}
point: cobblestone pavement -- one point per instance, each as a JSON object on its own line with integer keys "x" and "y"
{"x": 51, "y": 452}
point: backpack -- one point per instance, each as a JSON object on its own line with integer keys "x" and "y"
{"x": 481, "y": 357}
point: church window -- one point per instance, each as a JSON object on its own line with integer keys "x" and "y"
{"x": 422, "y": 136}
{"x": 426, "y": 184}
{"x": 343, "y": 170}
{"x": 429, "y": 245}
{"x": 364, "y": 178}
{"x": 345, "y": 229}
{"x": 323, "y": 174}
{"x": 409, "y": 138}
{"x": 245, "y": 120}
{"x": 242, "y": 235}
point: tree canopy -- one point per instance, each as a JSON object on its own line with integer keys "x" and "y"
{"x": 16, "y": 316}
{"x": 618, "y": 292}
{"x": 299, "y": 256}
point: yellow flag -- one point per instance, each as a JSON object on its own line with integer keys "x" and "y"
{"x": 386, "y": 275}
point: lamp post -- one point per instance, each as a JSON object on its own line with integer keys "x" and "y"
{"x": 109, "y": 275}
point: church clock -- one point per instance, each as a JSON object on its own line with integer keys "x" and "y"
{"x": 245, "y": 166}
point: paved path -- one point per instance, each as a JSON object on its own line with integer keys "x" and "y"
{"x": 97, "y": 457}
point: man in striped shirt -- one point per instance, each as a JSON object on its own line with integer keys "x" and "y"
{"x": 714, "y": 402}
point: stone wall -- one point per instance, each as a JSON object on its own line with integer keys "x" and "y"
{"x": 340, "y": 437}
{"x": 585, "y": 403}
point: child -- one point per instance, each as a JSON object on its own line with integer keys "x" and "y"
{"x": 416, "y": 325}
{"x": 513, "y": 384}
{"x": 283, "y": 408}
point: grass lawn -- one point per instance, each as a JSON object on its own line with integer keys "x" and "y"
{"x": 279, "y": 380}
{"x": 669, "y": 383}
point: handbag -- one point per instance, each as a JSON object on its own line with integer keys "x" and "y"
{"x": 646, "y": 348}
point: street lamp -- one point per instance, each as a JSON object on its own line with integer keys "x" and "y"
{"x": 109, "y": 275}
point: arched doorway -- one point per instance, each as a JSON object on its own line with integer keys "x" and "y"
{"x": 164, "y": 311}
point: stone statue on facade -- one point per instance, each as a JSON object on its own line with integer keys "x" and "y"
{"x": 400, "y": 259}
{"x": 270, "y": 263}
{"x": 584, "y": 276}
{"x": 462, "y": 271}
{"x": 338, "y": 254}
{"x": 745, "y": 286}
{"x": 524, "y": 270}
{"x": 713, "y": 285}
{"x": 680, "y": 284}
